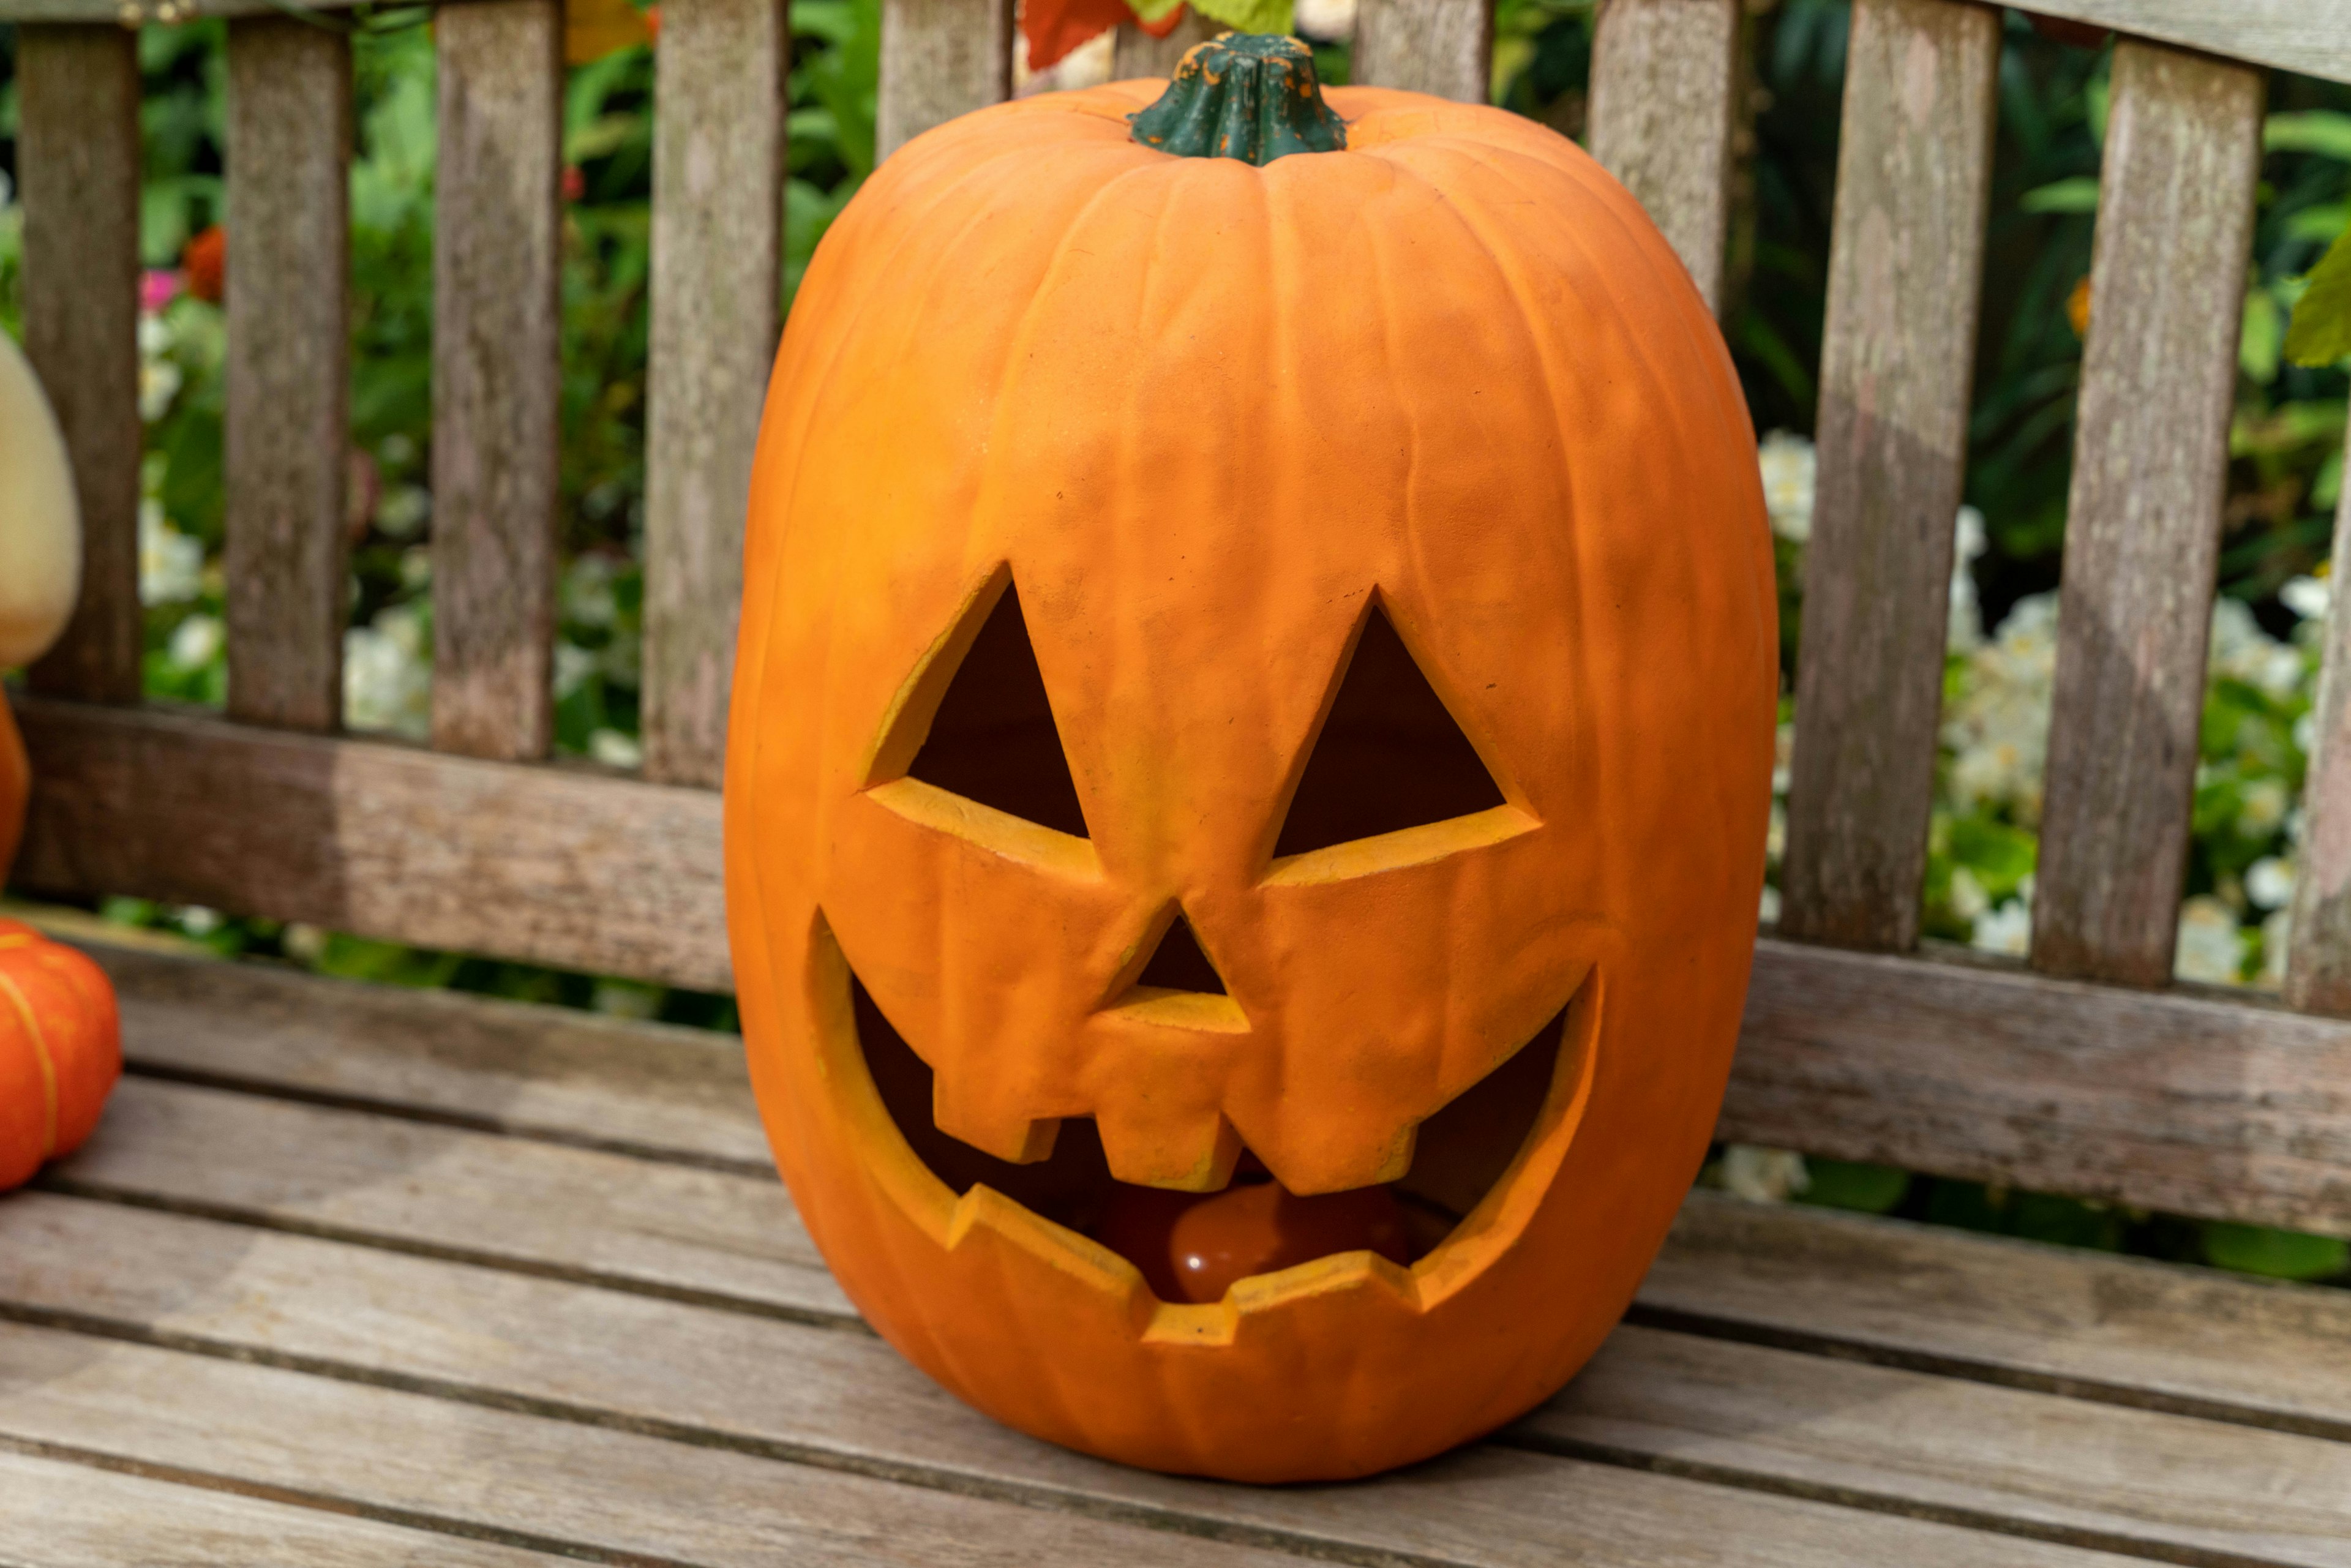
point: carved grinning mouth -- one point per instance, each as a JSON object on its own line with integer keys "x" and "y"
{"x": 1192, "y": 1247}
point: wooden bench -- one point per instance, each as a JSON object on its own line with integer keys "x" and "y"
{"x": 354, "y": 1275}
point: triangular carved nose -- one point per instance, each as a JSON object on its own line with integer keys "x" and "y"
{"x": 1179, "y": 965}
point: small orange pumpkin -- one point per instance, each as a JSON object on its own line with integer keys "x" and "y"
{"x": 1247, "y": 777}
{"x": 60, "y": 1050}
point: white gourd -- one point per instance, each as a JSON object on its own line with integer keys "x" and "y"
{"x": 40, "y": 525}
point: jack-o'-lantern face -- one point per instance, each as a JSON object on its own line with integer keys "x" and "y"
{"x": 1247, "y": 785}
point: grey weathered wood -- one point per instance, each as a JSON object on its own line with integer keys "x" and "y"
{"x": 1138, "y": 54}
{"x": 2143, "y": 520}
{"x": 2177, "y": 1102}
{"x": 77, "y": 168}
{"x": 587, "y": 1214}
{"x": 792, "y": 1389}
{"x": 717, "y": 247}
{"x": 1441, "y": 46}
{"x": 496, "y": 375}
{"x": 939, "y": 58}
{"x": 288, "y": 438}
{"x": 2318, "y": 961}
{"x": 1664, "y": 73}
{"x": 559, "y": 1485}
{"x": 2061, "y": 1320}
{"x": 1906, "y": 269}
{"x": 62, "y": 1514}
{"x": 554, "y": 866}
{"x": 2090, "y": 1473}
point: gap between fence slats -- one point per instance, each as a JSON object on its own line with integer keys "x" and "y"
{"x": 288, "y": 437}
{"x": 2318, "y": 957}
{"x": 939, "y": 58}
{"x": 1906, "y": 271}
{"x": 496, "y": 374}
{"x": 78, "y": 164}
{"x": 2143, "y": 520}
{"x": 1664, "y": 75}
{"x": 718, "y": 191}
{"x": 1141, "y": 55}
{"x": 1441, "y": 46}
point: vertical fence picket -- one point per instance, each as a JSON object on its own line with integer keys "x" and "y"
{"x": 939, "y": 58}
{"x": 1906, "y": 268}
{"x": 718, "y": 184}
{"x": 496, "y": 374}
{"x": 2318, "y": 954}
{"x": 1141, "y": 55}
{"x": 1663, "y": 76}
{"x": 1441, "y": 46}
{"x": 78, "y": 158}
{"x": 2143, "y": 521}
{"x": 289, "y": 112}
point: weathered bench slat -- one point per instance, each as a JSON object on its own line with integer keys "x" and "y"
{"x": 717, "y": 249}
{"x": 2143, "y": 521}
{"x": 1905, "y": 270}
{"x": 1894, "y": 1439}
{"x": 496, "y": 375}
{"x": 78, "y": 166}
{"x": 582, "y": 1491}
{"x": 76, "y": 1516}
{"x": 787, "y": 1389}
{"x": 2312, "y": 36}
{"x": 285, "y": 471}
{"x": 939, "y": 58}
{"x": 2165, "y": 1486}
{"x": 2318, "y": 957}
{"x": 1664, "y": 73}
{"x": 1441, "y": 46}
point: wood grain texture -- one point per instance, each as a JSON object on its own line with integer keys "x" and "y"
{"x": 496, "y": 375}
{"x": 1441, "y": 46}
{"x": 62, "y": 1514}
{"x": 719, "y": 193}
{"x": 2157, "y": 1484}
{"x": 552, "y": 866}
{"x": 582, "y": 1492}
{"x": 2172, "y": 1101}
{"x": 783, "y": 1389}
{"x": 2061, "y": 1320}
{"x": 1138, "y": 54}
{"x": 288, "y": 437}
{"x": 77, "y": 168}
{"x": 1906, "y": 272}
{"x": 2318, "y": 954}
{"x": 1664, "y": 73}
{"x": 2143, "y": 519}
{"x": 939, "y": 58}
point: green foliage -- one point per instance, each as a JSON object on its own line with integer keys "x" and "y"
{"x": 2321, "y": 330}
{"x": 2280, "y": 1254}
{"x": 1843, "y": 1184}
{"x": 1249, "y": 15}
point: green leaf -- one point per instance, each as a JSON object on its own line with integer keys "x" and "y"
{"x": 2078, "y": 194}
{"x": 1151, "y": 10}
{"x": 2313, "y": 130}
{"x": 2280, "y": 1254}
{"x": 1844, "y": 1184}
{"x": 1249, "y": 16}
{"x": 2262, "y": 337}
{"x": 2320, "y": 332}
{"x": 2321, "y": 224}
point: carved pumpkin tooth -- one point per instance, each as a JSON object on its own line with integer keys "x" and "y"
{"x": 1274, "y": 649}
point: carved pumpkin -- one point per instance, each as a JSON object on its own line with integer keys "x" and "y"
{"x": 1249, "y": 762}
{"x": 60, "y": 1050}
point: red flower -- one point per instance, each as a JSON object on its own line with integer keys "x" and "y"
{"x": 575, "y": 183}
{"x": 206, "y": 261}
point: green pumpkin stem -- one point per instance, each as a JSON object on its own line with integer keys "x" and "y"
{"x": 1250, "y": 95}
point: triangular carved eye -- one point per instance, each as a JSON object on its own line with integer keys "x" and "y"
{"x": 992, "y": 738}
{"x": 1389, "y": 755}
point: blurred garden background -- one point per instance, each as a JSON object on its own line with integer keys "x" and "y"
{"x": 2286, "y": 473}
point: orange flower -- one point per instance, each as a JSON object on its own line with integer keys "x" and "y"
{"x": 2077, "y": 307}
{"x": 206, "y": 261}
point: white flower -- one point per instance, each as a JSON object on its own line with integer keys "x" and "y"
{"x": 170, "y": 564}
{"x": 1775, "y": 836}
{"x": 1763, "y": 1176}
{"x": 1788, "y": 466}
{"x": 573, "y": 666}
{"x": 387, "y": 685}
{"x": 2242, "y": 651}
{"x": 2269, "y": 881}
{"x": 2007, "y": 929}
{"x": 1768, "y": 907}
{"x": 613, "y": 749}
{"x": 1964, "y": 632}
{"x": 626, "y": 998}
{"x": 403, "y": 509}
{"x": 1332, "y": 20}
{"x": 2277, "y": 936}
{"x": 416, "y": 567}
{"x": 1969, "y": 901}
{"x": 2210, "y": 947}
{"x": 154, "y": 336}
{"x": 586, "y": 593}
{"x": 196, "y": 920}
{"x": 2306, "y": 732}
{"x": 1997, "y": 727}
{"x": 196, "y": 642}
{"x": 2308, "y": 597}
{"x": 158, "y": 383}
{"x": 2262, "y": 810}
{"x": 303, "y": 944}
